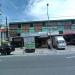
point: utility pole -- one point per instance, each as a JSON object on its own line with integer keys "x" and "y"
{"x": 0, "y": 24}
{"x": 47, "y": 12}
{"x": 48, "y": 28}
{"x": 7, "y": 29}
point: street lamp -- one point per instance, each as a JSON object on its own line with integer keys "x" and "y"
{"x": 47, "y": 11}
{"x": 48, "y": 25}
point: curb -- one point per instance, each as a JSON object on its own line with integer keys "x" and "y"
{"x": 39, "y": 54}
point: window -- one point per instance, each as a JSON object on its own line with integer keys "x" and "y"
{"x": 73, "y": 21}
{"x": 26, "y": 27}
{"x": 19, "y": 25}
{"x": 31, "y": 25}
{"x": 38, "y": 27}
{"x": 67, "y": 25}
{"x": 13, "y": 27}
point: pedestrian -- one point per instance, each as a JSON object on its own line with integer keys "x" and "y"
{"x": 49, "y": 43}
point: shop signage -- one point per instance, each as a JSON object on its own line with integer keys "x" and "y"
{"x": 29, "y": 42}
{"x": 29, "y": 34}
{"x": 53, "y": 33}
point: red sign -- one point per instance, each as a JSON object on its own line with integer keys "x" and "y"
{"x": 2, "y": 30}
{"x": 69, "y": 32}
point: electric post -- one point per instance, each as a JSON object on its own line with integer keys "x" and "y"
{"x": 48, "y": 25}
{"x": 0, "y": 25}
{"x": 7, "y": 30}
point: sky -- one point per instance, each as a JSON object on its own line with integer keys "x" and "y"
{"x": 36, "y": 10}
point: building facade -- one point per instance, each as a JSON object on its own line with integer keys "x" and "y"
{"x": 41, "y": 30}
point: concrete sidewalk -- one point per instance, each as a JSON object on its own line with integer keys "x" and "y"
{"x": 45, "y": 51}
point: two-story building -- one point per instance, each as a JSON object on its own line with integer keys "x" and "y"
{"x": 41, "y": 30}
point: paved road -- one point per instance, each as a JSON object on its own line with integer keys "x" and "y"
{"x": 38, "y": 65}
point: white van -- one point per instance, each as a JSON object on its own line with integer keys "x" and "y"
{"x": 59, "y": 42}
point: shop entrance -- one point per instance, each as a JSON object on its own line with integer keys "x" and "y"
{"x": 17, "y": 42}
{"x": 41, "y": 42}
{"x": 70, "y": 39}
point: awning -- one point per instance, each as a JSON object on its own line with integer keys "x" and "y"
{"x": 68, "y": 32}
{"x": 42, "y": 34}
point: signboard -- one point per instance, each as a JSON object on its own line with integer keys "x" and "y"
{"x": 53, "y": 33}
{"x": 29, "y": 42}
{"x": 12, "y": 33}
{"x": 43, "y": 34}
{"x": 2, "y": 30}
{"x": 29, "y": 34}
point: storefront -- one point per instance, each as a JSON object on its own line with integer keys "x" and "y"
{"x": 69, "y": 37}
{"x": 40, "y": 30}
{"x": 17, "y": 42}
{"x": 40, "y": 38}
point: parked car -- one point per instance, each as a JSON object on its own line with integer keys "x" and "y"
{"x": 6, "y": 48}
{"x": 59, "y": 42}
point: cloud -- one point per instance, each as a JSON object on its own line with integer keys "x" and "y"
{"x": 58, "y": 9}
{"x": 28, "y": 10}
{"x": 68, "y": 10}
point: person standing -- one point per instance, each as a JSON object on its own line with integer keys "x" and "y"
{"x": 49, "y": 43}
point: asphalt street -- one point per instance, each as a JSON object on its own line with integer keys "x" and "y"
{"x": 38, "y": 65}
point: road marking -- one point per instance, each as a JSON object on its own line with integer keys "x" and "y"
{"x": 70, "y": 57}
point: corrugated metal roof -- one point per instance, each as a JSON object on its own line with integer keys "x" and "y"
{"x": 40, "y": 21}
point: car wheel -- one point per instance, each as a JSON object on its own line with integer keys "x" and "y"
{"x": 8, "y": 53}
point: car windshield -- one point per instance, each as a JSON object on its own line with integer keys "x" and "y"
{"x": 61, "y": 41}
